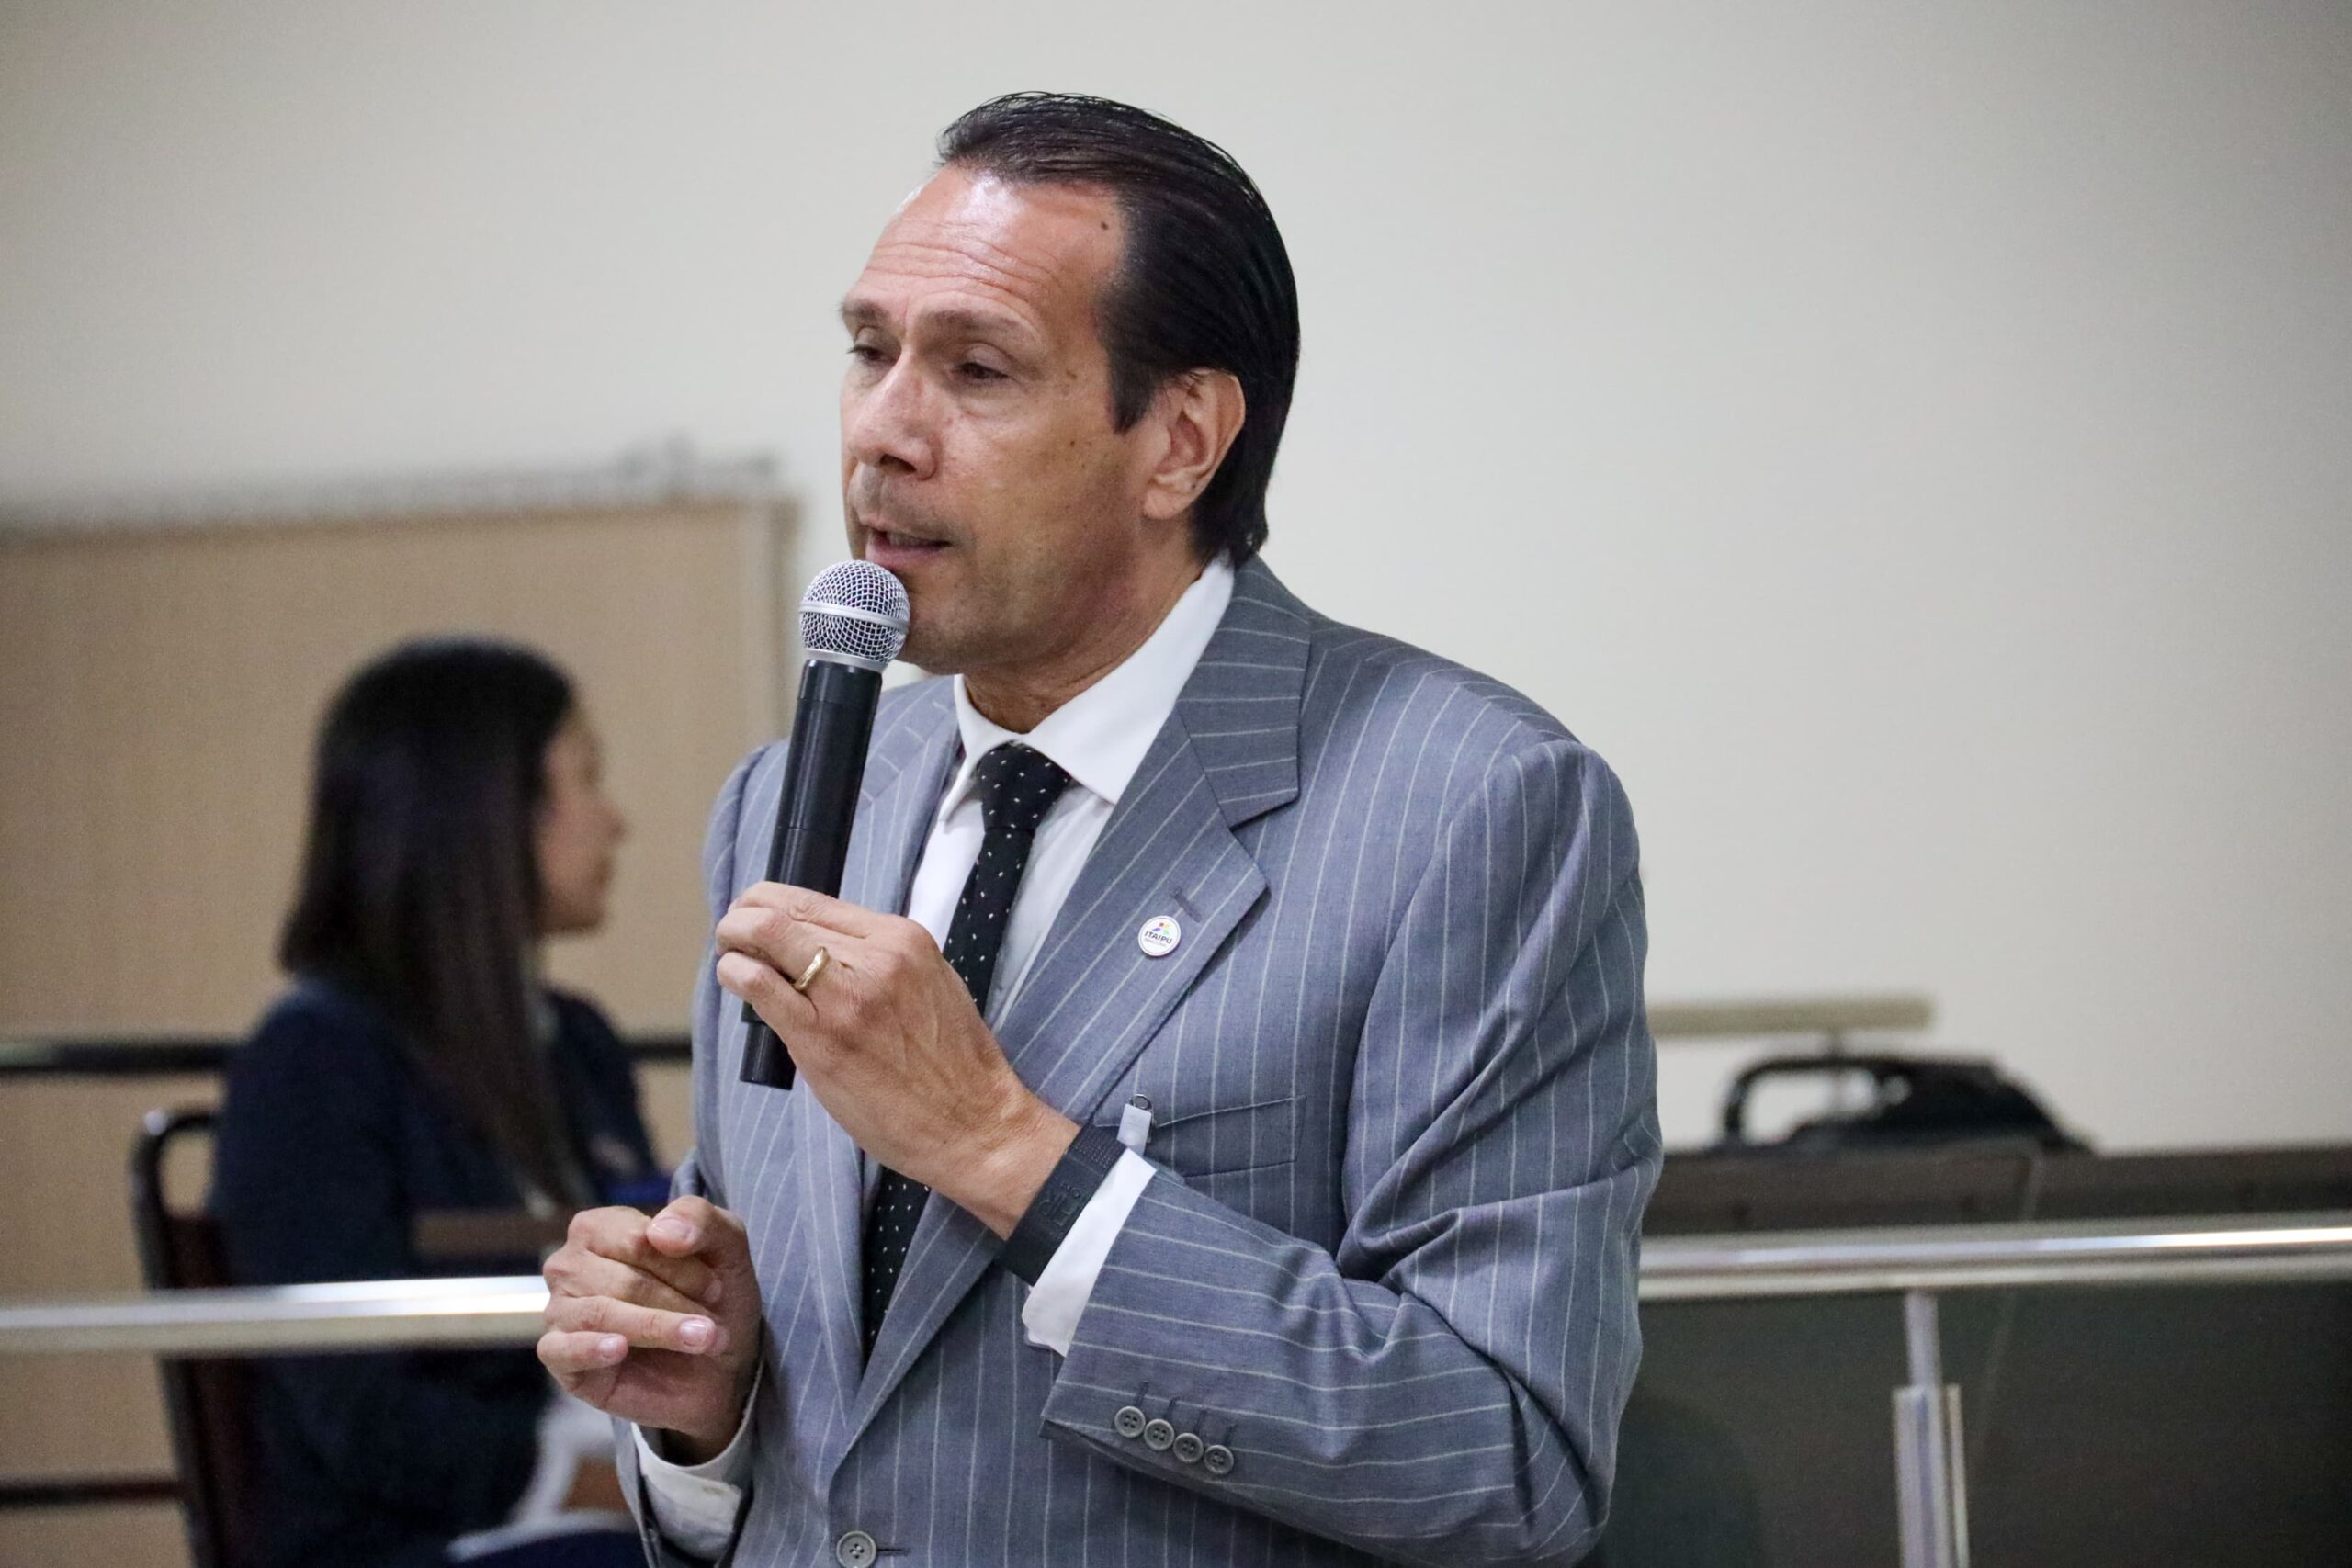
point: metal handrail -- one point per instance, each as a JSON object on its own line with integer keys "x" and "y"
{"x": 284, "y": 1319}
{"x": 504, "y": 1310}
{"x": 1832, "y": 1017}
{"x": 198, "y": 1055}
{"x": 2231, "y": 1249}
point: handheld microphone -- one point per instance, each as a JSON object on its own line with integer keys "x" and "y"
{"x": 852, "y": 623}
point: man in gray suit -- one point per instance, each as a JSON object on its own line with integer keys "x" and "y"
{"x": 1225, "y": 1106}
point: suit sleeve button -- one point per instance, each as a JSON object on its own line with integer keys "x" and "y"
{"x": 1158, "y": 1436}
{"x": 856, "y": 1550}
{"x": 1128, "y": 1422}
{"x": 1218, "y": 1460}
{"x": 1188, "y": 1447}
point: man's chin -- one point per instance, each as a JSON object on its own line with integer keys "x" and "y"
{"x": 929, "y": 656}
{"x": 940, "y": 644}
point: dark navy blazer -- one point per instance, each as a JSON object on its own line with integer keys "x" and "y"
{"x": 329, "y": 1144}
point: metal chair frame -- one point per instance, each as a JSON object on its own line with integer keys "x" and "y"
{"x": 207, "y": 1401}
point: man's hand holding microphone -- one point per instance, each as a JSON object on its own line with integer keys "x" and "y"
{"x": 657, "y": 1321}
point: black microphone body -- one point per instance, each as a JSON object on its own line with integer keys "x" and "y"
{"x": 830, "y": 730}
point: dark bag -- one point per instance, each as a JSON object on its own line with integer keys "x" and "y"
{"x": 1917, "y": 1100}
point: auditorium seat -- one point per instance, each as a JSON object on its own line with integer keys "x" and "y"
{"x": 208, "y": 1401}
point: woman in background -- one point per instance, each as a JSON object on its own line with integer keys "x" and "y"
{"x": 418, "y": 1066}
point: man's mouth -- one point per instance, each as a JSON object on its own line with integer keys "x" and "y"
{"x": 896, "y": 551}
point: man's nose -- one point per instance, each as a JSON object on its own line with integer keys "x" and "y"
{"x": 885, "y": 425}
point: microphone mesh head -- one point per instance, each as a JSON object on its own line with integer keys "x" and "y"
{"x": 856, "y": 612}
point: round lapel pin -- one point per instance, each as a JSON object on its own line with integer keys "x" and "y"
{"x": 1159, "y": 936}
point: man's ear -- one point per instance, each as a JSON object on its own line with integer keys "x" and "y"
{"x": 1200, "y": 413}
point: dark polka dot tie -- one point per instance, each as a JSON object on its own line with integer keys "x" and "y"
{"x": 1017, "y": 786}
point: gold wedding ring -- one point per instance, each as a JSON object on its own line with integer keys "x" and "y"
{"x": 816, "y": 967}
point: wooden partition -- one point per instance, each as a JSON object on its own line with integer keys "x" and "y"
{"x": 160, "y": 683}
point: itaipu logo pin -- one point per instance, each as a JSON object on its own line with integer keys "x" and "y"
{"x": 1159, "y": 936}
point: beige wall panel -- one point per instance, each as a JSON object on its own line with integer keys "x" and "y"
{"x": 158, "y": 695}
{"x": 144, "y": 1535}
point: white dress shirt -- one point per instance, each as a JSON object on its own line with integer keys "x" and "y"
{"x": 1099, "y": 738}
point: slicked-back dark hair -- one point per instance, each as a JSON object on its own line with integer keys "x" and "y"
{"x": 1204, "y": 283}
{"x": 420, "y": 886}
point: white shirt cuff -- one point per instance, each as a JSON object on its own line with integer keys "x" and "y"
{"x": 1059, "y": 1297}
{"x": 570, "y": 1430}
{"x": 695, "y": 1505}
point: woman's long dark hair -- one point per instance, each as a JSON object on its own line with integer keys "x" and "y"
{"x": 420, "y": 885}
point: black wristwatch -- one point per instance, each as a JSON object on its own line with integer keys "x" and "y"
{"x": 1077, "y": 1177}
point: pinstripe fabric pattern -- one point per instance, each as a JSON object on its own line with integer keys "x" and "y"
{"x": 1406, "y": 1120}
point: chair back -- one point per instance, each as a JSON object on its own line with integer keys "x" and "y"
{"x": 209, "y": 1401}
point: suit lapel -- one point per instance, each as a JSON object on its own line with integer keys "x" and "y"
{"x": 906, "y": 768}
{"x": 1093, "y": 999}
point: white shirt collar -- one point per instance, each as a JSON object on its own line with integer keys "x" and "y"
{"x": 1100, "y": 735}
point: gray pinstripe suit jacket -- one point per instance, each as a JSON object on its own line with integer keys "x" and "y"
{"x": 1406, "y": 1107}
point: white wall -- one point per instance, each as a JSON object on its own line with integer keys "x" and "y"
{"x": 1909, "y": 442}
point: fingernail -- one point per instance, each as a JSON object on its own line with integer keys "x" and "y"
{"x": 670, "y": 1230}
{"x": 697, "y": 1332}
{"x": 710, "y": 1292}
{"x": 612, "y": 1347}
